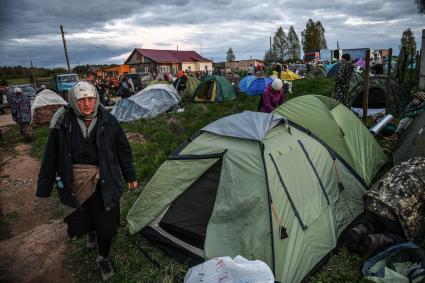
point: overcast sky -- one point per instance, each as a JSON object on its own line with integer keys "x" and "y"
{"x": 105, "y": 32}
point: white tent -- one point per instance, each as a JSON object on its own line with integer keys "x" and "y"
{"x": 148, "y": 103}
{"x": 44, "y": 106}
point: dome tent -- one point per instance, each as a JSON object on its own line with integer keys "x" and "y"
{"x": 44, "y": 107}
{"x": 258, "y": 85}
{"x": 214, "y": 89}
{"x": 186, "y": 86}
{"x": 149, "y": 102}
{"x": 245, "y": 82}
{"x": 251, "y": 184}
{"x": 337, "y": 126}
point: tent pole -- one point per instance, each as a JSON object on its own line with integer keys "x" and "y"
{"x": 387, "y": 98}
{"x": 366, "y": 85}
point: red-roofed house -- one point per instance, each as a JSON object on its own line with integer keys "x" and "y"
{"x": 153, "y": 60}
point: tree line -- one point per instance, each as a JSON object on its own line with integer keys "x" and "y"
{"x": 286, "y": 47}
{"x": 17, "y": 72}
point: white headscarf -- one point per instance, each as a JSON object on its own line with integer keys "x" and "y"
{"x": 80, "y": 90}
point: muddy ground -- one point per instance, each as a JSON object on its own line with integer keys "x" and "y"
{"x": 36, "y": 243}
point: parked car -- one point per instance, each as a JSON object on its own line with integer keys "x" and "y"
{"x": 27, "y": 90}
{"x": 140, "y": 80}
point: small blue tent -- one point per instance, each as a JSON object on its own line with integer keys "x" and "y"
{"x": 334, "y": 70}
{"x": 245, "y": 82}
{"x": 258, "y": 85}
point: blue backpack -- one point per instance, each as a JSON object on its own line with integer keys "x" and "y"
{"x": 400, "y": 263}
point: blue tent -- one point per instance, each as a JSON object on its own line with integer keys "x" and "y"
{"x": 258, "y": 85}
{"x": 245, "y": 82}
{"x": 334, "y": 70}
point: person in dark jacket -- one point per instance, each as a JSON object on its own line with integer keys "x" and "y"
{"x": 413, "y": 109}
{"x": 20, "y": 107}
{"x": 85, "y": 153}
{"x": 342, "y": 81}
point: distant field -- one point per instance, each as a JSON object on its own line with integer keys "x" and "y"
{"x": 25, "y": 81}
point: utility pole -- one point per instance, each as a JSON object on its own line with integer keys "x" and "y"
{"x": 64, "y": 46}
{"x": 270, "y": 45}
{"x": 366, "y": 85}
{"x": 422, "y": 64}
{"x": 387, "y": 97}
{"x": 33, "y": 75}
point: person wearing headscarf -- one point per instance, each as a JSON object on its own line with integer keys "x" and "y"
{"x": 342, "y": 81}
{"x": 413, "y": 109}
{"x": 86, "y": 156}
{"x": 20, "y": 107}
{"x": 273, "y": 96}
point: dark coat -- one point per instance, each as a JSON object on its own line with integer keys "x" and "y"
{"x": 114, "y": 154}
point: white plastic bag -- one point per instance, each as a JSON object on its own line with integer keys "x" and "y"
{"x": 227, "y": 270}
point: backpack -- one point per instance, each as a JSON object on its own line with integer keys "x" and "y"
{"x": 400, "y": 263}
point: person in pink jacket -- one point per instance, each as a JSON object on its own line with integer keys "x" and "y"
{"x": 272, "y": 96}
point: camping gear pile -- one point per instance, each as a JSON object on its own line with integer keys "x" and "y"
{"x": 148, "y": 103}
{"x": 44, "y": 106}
{"x": 400, "y": 263}
{"x": 280, "y": 190}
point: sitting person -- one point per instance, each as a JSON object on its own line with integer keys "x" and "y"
{"x": 414, "y": 108}
{"x": 272, "y": 97}
{"x": 394, "y": 209}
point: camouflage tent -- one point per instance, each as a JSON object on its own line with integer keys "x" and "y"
{"x": 316, "y": 72}
{"x": 398, "y": 98}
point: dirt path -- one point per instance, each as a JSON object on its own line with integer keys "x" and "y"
{"x": 37, "y": 244}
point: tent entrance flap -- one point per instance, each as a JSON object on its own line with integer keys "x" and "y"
{"x": 377, "y": 98}
{"x": 188, "y": 215}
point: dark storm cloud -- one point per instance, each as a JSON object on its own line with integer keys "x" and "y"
{"x": 96, "y": 30}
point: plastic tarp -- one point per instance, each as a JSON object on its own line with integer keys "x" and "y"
{"x": 148, "y": 103}
{"x": 289, "y": 76}
{"x": 245, "y": 125}
{"x": 47, "y": 97}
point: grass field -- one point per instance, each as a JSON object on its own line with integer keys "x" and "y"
{"x": 163, "y": 134}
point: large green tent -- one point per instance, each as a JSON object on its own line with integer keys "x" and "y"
{"x": 214, "y": 89}
{"x": 336, "y": 125}
{"x": 251, "y": 184}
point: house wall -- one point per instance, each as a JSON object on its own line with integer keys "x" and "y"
{"x": 241, "y": 65}
{"x": 197, "y": 66}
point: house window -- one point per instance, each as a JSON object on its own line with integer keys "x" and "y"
{"x": 206, "y": 68}
{"x": 146, "y": 69}
{"x": 189, "y": 68}
{"x": 164, "y": 69}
